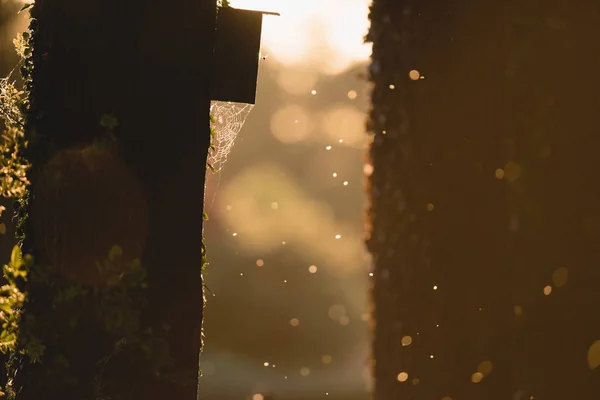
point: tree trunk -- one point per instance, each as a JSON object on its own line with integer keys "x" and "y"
{"x": 484, "y": 233}
{"x": 119, "y": 133}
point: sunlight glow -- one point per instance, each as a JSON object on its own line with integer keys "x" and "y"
{"x": 328, "y": 35}
{"x": 309, "y": 224}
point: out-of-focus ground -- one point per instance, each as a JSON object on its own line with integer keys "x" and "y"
{"x": 288, "y": 274}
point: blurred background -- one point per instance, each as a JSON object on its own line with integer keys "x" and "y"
{"x": 287, "y": 267}
{"x": 288, "y": 277}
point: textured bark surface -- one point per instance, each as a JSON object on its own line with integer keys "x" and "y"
{"x": 88, "y": 200}
{"x": 482, "y": 194}
{"x": 147, "y": 64}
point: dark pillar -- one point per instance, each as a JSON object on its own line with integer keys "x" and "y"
{"x": 481, "y": 195}
{"x": 139, "y": 185}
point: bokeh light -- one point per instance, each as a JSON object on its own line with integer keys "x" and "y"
{"x": 414, "y": 75}
{"x": 485, "y": 368}
{"x": 402, "y": 377}
{"x": 477, "y": 377}
{"x": 291, "y": 124}
{"x": 345, "y": 123}
{"x": 593, "y": 355}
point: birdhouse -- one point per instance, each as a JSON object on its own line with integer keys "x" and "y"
{"x": 236, "y": 55}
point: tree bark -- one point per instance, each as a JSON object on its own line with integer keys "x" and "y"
{"x": 481, "y": 196}
{"x": 147, "y": 64}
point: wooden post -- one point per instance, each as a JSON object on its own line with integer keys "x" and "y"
{"x": 145, "y": 66}
{"x": 484, "y": 239}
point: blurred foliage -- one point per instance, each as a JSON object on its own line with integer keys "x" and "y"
{"x": 13, "y": 107}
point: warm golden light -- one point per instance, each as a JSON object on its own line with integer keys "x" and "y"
{"x": 291, "y": 124}
{"x": 593, "y": 356}
{"x": 485, "y": 368}
{"x": 345, "y": 23}
{"x": 414, "y": 75}
{"x": 336, "y": 312}
{"x": 327, "y": 35}
{"x": 308, "y": 224}
{"x": 547, "y": 290}
{"x": 346, "y": 124}
{"x": 512, "y": 171}
{"x": 297, "y": 80}
{"x": 402, "y": 377}
{"x": 477, "y": 377}
{"x": 406, "y": 341}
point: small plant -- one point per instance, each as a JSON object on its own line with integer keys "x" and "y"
{"x": 13, "y": 167}
{"x": 12, "y": 299}
{"x": 13, "y": 107}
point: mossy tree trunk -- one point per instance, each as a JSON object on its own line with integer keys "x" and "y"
{"x": 484, "y": 229}
{"x": 118, "y": 127}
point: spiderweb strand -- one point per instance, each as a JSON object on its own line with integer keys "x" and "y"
{"x": 229, "y": 119}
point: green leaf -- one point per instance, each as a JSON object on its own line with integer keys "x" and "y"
{"x": 115, "y": 253}
{"x": 15, "y": 256}
{"x": 109, "y": 121}
{"x": 6, "y": 307}
{"x": 7, "y": 342}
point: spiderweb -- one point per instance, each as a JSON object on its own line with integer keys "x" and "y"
{"x": 228, "y": 119}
